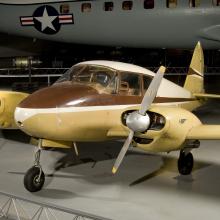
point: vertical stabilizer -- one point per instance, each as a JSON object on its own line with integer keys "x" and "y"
{"x": 195, "y": 80}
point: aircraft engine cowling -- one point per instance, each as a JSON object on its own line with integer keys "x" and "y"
{"x": 8, "y": 102}
{"x": 167, "y": 129}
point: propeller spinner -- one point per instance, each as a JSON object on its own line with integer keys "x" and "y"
{"x": 139, "y": 121}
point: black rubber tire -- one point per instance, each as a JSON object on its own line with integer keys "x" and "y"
{"x": 30, "y": 179}
{"x": 185, "y": 163}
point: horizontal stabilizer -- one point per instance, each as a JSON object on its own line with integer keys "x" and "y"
{"x": 206, "y": 96}
{"x": 204, "y": 132}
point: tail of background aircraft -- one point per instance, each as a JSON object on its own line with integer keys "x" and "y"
{"x": 195, "y": 80}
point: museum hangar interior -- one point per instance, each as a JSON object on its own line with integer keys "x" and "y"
{"x": 109, "y": 109}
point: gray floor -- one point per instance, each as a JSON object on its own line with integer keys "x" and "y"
{"x": 146, "y": 187}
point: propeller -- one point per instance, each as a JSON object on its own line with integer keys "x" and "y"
{"x": 139, "y": 121}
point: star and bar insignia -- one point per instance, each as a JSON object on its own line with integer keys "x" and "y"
{"x": 47, "y": 20}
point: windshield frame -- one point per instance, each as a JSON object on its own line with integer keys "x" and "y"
{"x": 68, "y": 76}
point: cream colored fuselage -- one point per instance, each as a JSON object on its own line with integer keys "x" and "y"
{"x": 89, "y": 115}
{"x": 88, "y": 123}
{"x": 80, "y": 123}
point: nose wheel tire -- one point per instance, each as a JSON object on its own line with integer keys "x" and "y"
{"x": 185, "y": 163}
{"x": 34, "y": 179}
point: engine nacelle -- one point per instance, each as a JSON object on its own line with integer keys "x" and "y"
{"x": 168, "y": 129}
{"x": 8, "y": 102}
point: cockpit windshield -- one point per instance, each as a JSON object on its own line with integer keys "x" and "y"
{"x": 95, "y": 75}
{"x": 67, "y": 76}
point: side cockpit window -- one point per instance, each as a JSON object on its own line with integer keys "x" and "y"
{"x": 146, "y": 82}
{"x": 130, "y": 84}
{"x": 103, "y": 78}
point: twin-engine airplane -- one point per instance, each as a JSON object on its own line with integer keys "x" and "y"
{"x": 104, "y": 100}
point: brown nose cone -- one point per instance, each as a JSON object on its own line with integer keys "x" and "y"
{"x": 58, "y": 95}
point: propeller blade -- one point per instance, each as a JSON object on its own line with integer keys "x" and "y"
{"x": 152, "y": 91}
{"x": 123, "y": 152}
{"x": 145, "y": 104}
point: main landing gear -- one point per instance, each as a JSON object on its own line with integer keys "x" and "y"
{"x": 34, "y": 178}
{"x": 185, "y": 163}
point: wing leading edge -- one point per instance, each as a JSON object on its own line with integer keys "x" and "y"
{"x": 204, "y": 132}
{"x": 206, "y": 96}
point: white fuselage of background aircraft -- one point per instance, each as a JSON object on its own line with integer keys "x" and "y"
{"x": 143, "y": 24}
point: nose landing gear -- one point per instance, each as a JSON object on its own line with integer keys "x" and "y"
{"x": 34, "y": 178}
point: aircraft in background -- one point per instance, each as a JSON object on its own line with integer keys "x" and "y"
{"x": 139, "y": 24}
{"x": 105, "y": 100}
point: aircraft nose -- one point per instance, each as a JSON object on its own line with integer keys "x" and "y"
{"x": 40, "y": 114}
{"x": 59, "y": 95}
{"x": 31, "y": 121}
{"x": 18, "y": 116}
{"x": 21, "y": 114}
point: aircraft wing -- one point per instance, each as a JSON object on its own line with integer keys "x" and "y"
{"x": 204, "y": 132}
{"x": 117, "y": 132}
{"x": 206, "y": 96}
{"x": 169, "y": 128}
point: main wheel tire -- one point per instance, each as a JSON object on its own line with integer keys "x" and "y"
{"x": 31, "y": 179}
{"x": 185, "y": 163}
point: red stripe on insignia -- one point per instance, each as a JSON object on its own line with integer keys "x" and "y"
{"x": 63, "y": 19}
{"x": 27, "y": 21}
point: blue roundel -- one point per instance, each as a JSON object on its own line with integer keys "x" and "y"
{"x": 46, "y": 19}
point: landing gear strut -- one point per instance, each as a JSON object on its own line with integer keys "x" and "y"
{"x": 34, "y": 178}
{"x": 185, "y": 162}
